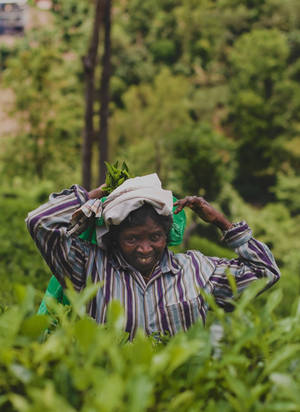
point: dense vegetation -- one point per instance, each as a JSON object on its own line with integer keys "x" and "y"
{"x": 207, "y": 94}
{"x": 253, "y": 365}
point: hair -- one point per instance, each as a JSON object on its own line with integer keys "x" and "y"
{"x": 135, "y": 218}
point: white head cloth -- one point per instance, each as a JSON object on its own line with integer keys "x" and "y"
{"x": 129, "y": 196}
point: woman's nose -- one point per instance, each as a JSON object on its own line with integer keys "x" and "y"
{"x": 144, "y": 247}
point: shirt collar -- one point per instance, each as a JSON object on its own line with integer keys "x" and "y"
{"x": 169, "y": 263}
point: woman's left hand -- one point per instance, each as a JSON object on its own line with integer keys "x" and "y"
{"x": 204, "y": 210}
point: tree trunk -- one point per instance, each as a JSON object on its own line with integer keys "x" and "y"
{"x": 89, "y": 64}
{"x": 104, "y": 94}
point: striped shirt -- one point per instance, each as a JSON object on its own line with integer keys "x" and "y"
{"x": 171, "y": 300}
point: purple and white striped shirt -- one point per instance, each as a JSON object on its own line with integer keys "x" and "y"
{"x": 171, "y": 300}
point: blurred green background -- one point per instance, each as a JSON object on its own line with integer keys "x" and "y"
{"x": 206, "y": 93}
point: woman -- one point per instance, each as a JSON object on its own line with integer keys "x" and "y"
{"x": 159, "y": 290}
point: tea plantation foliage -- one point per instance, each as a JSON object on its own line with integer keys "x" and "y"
{"x": 248, "y": 360}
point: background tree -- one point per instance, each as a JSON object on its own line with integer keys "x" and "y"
{"x": 47, "y": 109}
{"x": 203, "y": 160}
{"x": 74, "y": 36}
{"x": 89, "y": 64}
{"x": 104, "y": 95}
{"x": 141, "y": 129}
{"x": 262, "y": 113}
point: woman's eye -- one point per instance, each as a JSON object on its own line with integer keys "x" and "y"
{"x": 156, "y": 237}
{"x": 131, "y": 239}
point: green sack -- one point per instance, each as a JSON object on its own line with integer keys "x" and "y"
{"x": 54, "y": 290}
{"x": 178, "y": 226}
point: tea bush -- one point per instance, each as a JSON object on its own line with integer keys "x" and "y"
{"x": 19, "y": 259}
{"x": 251, "y": 364}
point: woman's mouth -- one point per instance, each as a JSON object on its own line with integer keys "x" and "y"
{"x": 145, "y": 259}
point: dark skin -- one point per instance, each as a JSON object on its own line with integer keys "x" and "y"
{"x": 204, "y": 210}
{"x": 143, "y": 246}
{"x": 98, "y": 193}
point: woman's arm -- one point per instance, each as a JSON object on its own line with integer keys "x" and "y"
{"x": 204, "y": 210}
{"x": 48, "y": 226}
{"x": 254, "y": 261}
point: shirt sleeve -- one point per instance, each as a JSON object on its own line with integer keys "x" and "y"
{"x": 254, "y": 261}
{"x": 66, "y": 255}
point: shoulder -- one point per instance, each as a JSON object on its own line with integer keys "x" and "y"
{"x": 88, "y": 248}
{"x": 194, "y": 259}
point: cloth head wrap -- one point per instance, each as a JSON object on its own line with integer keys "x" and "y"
{"x": 129, "y": 196}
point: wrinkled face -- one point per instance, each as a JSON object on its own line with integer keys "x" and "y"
{"x": 143, "y": 246}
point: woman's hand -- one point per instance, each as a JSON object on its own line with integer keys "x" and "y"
{"x": 97, "y": 193}
{"x": 204, "y": 210}
{"x": 93, "y": 194}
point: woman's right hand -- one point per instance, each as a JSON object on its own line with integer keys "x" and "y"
{"x": 97, "y": 193}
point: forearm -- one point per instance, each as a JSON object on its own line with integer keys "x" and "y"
{"x": 55, "y": 215}
{"x": 221, "y": 222}
{"x": 205, "y": 211}
{"x": 97, "y": 193}
{"x": 255, "y": 258}
{"x": 259, "y": 259}
{"x": 255, "y": 261}
{"x": 48, "y": 226}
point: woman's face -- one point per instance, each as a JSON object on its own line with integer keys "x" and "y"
{"x": 143, "y": 246}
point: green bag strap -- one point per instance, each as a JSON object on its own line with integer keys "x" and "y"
{"x": 54, "y": 290}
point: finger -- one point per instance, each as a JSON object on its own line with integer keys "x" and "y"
{"x": 183, "y": 203}
{"x": 180, "y": 205}
{"x": 103, "y": 187}
{"x": 179, "y": 201}
{"x": 178, "y": 209}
